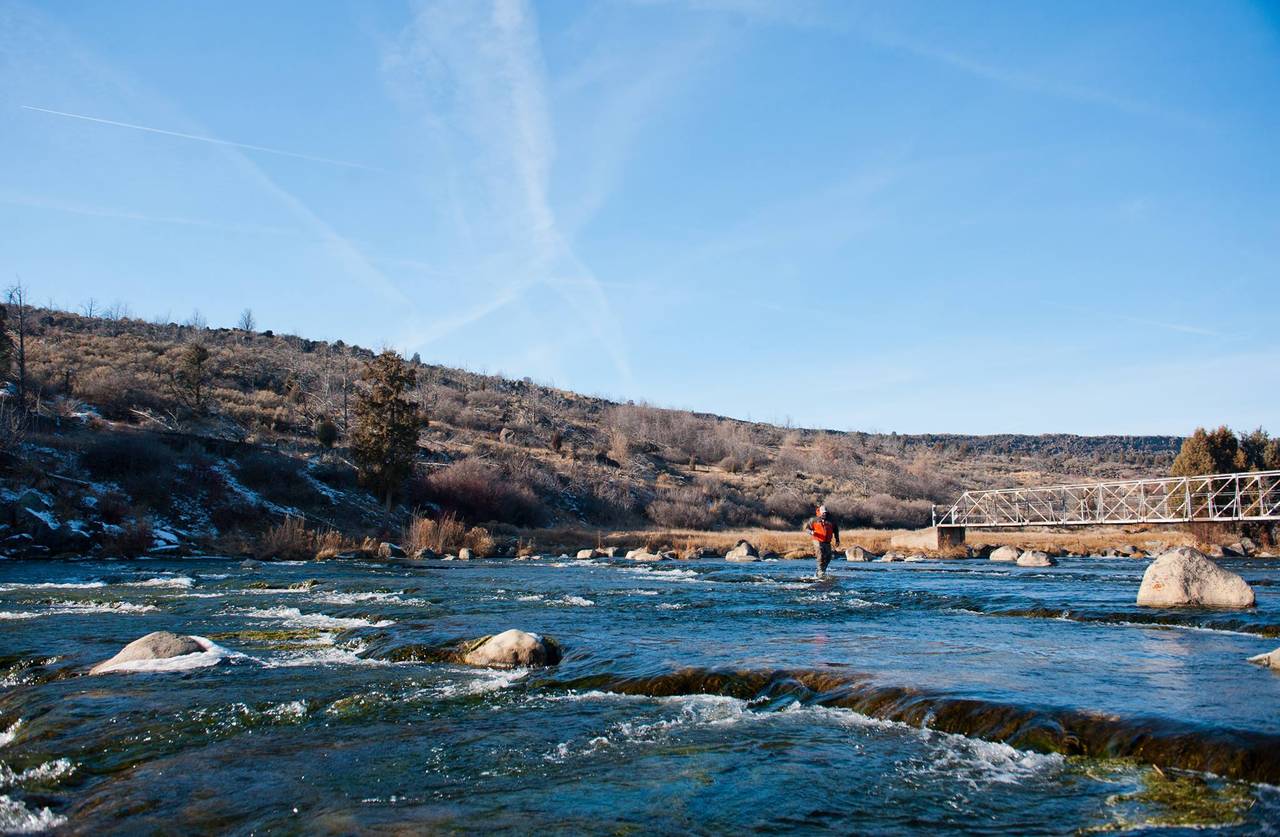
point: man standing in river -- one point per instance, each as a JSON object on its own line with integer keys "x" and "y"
{"x": 824, "y": 530}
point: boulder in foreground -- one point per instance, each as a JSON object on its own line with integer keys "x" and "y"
{"x": 1008, "y": 554}
{"x": 1035, "y": 558}
{"x": 1185, "y": 577}
{"x": 857, "y": 553}
{"x": 744, "y": 551}
{"x": 144, "y": 654}
{"x": 512, "y": 649}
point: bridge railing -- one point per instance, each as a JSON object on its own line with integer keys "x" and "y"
{"x": 1215, "y": 497}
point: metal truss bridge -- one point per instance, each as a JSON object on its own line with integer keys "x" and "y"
{"x": 1217, "y": 497}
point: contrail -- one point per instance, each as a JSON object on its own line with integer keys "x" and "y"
{"x": 213, "y": 140}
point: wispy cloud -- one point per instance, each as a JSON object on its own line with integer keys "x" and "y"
{"x": 475, "y": 76}
{"x": 93, "y": 211}
{"x": 199, "y": 138}
{"x": 1144, "y": 321}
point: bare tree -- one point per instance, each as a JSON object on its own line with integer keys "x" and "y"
{"x": 117, "y": 311}
{"x": 90, "y": 308}
{"x": 197, "y": 320}
{"x": 246, "y": 321}
{"x": 20, "y": 315}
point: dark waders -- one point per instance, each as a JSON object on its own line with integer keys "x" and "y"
{"x": 822, "y": 551}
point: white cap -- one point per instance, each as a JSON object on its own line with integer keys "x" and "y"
{"x": 822, "y": 509}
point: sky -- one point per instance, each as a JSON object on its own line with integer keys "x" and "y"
{"x": 915, "y": 217}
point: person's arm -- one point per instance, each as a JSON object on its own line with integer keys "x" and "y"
{"x": 835, "y": 531}
{"x": 808, "y": 525}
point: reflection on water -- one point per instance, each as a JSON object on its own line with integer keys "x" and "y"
{"x": 702, "y": 696}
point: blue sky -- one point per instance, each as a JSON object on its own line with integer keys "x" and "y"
{"x": 946, "y": 217}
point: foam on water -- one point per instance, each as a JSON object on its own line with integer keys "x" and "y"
{"x": 179, "y": 581}
{"x": 68, "y": 608}
{"x": 46, "y": 585}
{"x": 17, "y": 818}
{"x": 43, "y": 775}
{"x": 371, "y": 596}
{"x": 6, "y": 737}
{"x": 295, "y": 618}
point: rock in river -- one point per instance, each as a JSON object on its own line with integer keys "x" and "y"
{"x": 857, "y": 553}
{"x": 1184, "y": 577}
{"x": 744, "y": 551}
{"x": 146, "y": 654}
{"x": 512, "y": 648}
{"x": 643, "y": 555}
{"x": 1035, "y": 558}
{"x": 1271, "y": 660}
{"x": 1008, "y": 554}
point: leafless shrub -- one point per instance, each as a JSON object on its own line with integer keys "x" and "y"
{"x": 290, "y": 540}
{"x": 440, "y": 536}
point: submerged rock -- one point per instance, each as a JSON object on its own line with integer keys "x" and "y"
{"x": 1185, "y": 577}
{"x": 160, "y": 645}
{"x": 857, "y": 553}
{"x": 1270, "y": 660}
{"x": 512, "y": 648}
{"x": 743, "y": 551}
{"x": 1007, "y": 554}
{"x": 1035, "y": 558}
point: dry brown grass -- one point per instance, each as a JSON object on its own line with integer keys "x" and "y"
{"x": 291, "y": 540}
{"x": 1077, "y": 541}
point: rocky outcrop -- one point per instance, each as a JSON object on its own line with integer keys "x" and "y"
{"x": 742, "y": 552}
{"x": 1035, "y": 558}
{"x": 1185, "y": 577}
{"x": 511, "y": 649}
{"x": 857, "y": 553}
{"x": 160, "y": 645}
{"x": 1007, "y": 554}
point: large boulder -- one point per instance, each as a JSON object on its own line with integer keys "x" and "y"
{"x": 857, "y": 553}
{"x": 510, "y": 649}
{"x": 161, "y": 645}
{"x": 465, "y": 554}
{"x": 1035, "y": 558}
{"x": 1007, "y": 554}
{"x": 386, "y": 549}
{"x": 1185, "y": 577}
{"x": 584, "y": 554}
{"x": 744, "y": 551}
{"x": 1271, "y": 660}
{"x": 643, "y": 555}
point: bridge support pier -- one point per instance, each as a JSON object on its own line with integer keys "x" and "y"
{"x": 950, "y": 537}
{"x": 932, "y": 539}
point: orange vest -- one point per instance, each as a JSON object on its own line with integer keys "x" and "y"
{"x": 823, "y": 530}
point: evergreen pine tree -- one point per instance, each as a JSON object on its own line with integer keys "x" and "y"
{"x": 384, "y": 440}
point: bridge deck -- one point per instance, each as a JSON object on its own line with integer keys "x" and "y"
{"x": 1216, "y": 497}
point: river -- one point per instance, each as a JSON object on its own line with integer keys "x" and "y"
{"x": 694, "y": 697}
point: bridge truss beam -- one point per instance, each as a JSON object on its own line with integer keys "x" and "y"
{"x": 1216, "y": 497}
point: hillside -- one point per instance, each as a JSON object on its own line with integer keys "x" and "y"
{"x": 219, "y": 447}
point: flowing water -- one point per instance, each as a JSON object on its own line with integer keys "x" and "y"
{"x": 693, "y": 697}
